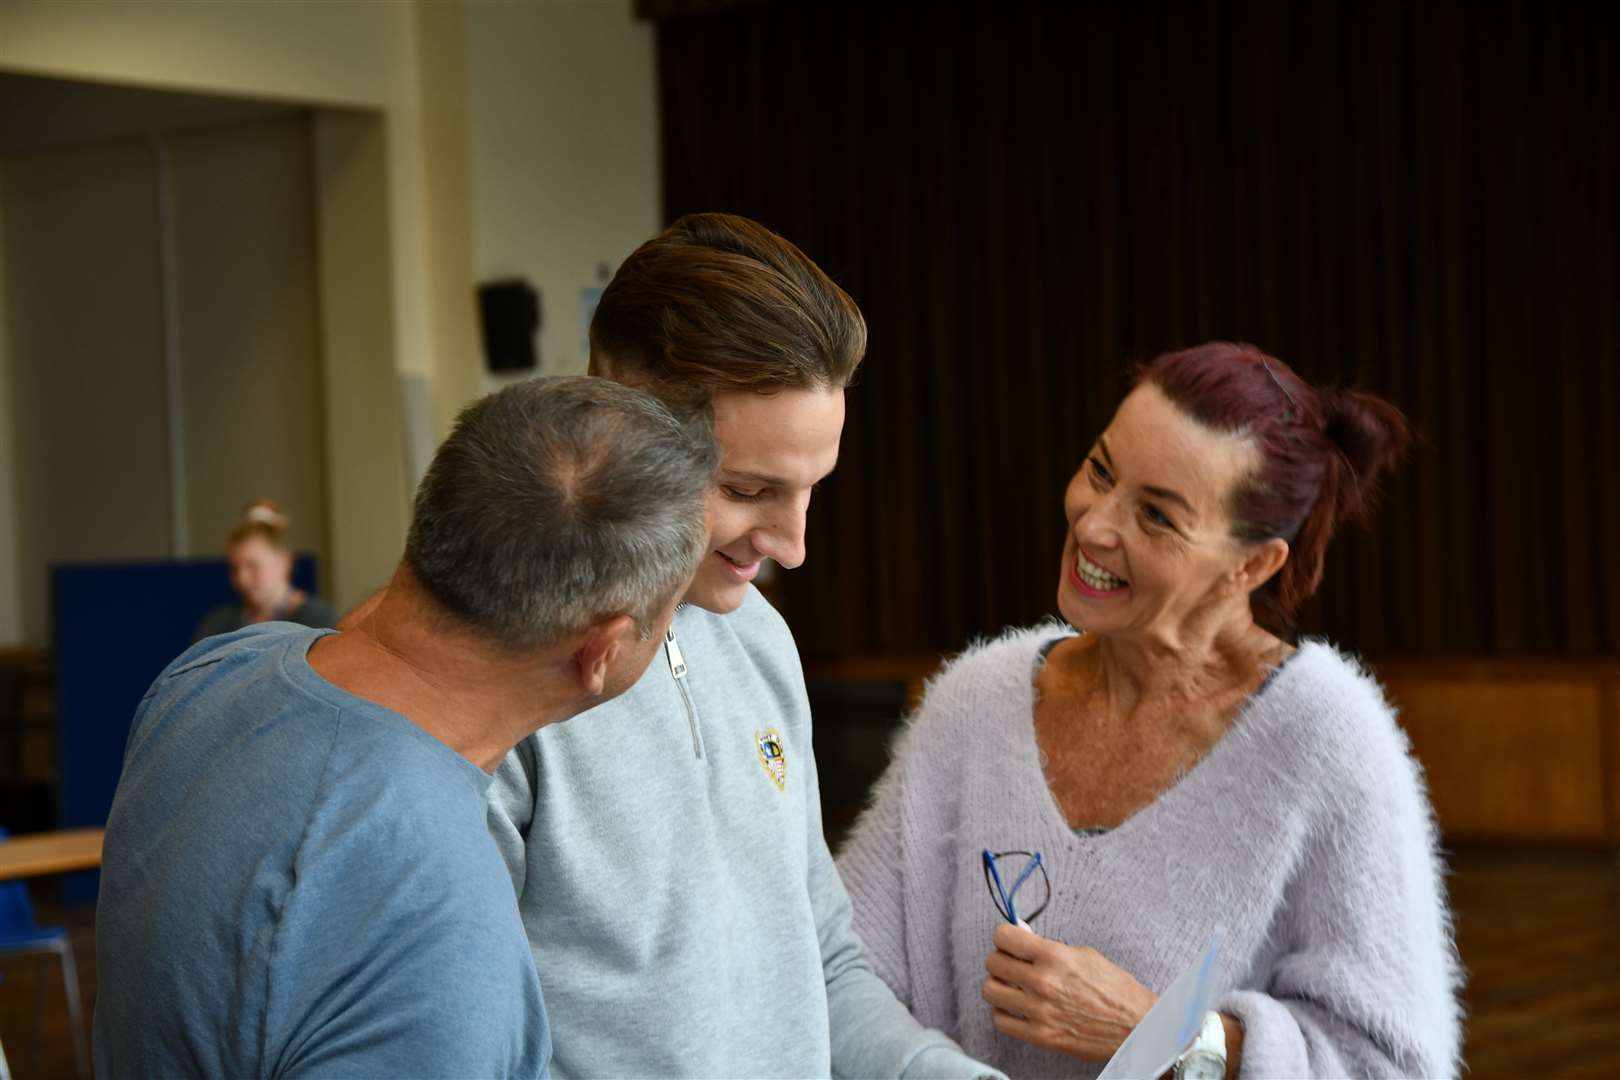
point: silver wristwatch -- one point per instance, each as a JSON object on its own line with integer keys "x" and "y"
{"x": 1205, "y": 1059}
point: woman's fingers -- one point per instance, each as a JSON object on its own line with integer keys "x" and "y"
{"x": 1009, "y": 968}
{"x": 1005, "y": 996}
{"x": 1044, "y": 1035}
{"x": 1011, "y": 1024}
{"x": 1061, "y": 997}
{"x": 1017, "y": 941}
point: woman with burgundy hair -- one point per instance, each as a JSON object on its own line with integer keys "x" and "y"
{"x": 1077, "y": 809}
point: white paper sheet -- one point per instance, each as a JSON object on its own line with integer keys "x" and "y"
{"x": 1172, "y": 1024}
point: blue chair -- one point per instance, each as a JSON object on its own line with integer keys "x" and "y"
{"x": 20, "y": 934}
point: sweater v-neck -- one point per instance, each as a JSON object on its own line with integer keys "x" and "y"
{"x": 1081, "y": 834}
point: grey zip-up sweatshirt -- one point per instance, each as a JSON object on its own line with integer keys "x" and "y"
{"x": 685, "y": 914}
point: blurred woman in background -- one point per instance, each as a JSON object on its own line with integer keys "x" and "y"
{"x": 1071, "y": 816}
{"x": 261, "y": 573}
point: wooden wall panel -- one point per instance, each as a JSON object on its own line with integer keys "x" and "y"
{"x": 1611, "y": 735}
{"x": 1516, "y": 749}
{"x": 1509, "y": 759}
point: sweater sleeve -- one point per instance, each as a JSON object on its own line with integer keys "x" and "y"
{"x": 869, "y": 865}
{"x": 1364, "y": 982}
{"x": 873, "y": 1034}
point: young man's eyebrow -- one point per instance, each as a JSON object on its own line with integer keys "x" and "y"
{"x": 758, "y": 478}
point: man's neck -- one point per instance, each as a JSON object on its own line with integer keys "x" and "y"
{"x": 479, "y": 700}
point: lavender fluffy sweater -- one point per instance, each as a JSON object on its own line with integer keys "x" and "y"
{"x": 1304, "y": 830}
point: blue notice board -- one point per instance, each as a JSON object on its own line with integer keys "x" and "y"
{"x": 117, "y": 626}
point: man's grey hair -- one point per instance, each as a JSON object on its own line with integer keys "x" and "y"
{"x": 557, "y": 502}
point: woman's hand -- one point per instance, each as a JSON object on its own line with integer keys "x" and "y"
{"x": 1059, "y": 997}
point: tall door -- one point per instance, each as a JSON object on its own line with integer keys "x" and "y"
{"x": 248, "y": 328}
{"x": 83, "y": 329}
{"x": 159, "y": 343}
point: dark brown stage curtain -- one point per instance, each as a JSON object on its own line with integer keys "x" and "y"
{"x": 1420, "y": 199}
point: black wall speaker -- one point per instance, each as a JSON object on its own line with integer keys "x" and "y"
{"x": 510, "y": 312}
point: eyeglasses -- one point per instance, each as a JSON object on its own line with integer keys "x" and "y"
{"x": 1040, "y": 886}
{"x": 1278, "y": 383}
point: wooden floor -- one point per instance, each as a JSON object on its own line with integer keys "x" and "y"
{"x": 1540, "y": 936}
{"x": 1539, "y": 933}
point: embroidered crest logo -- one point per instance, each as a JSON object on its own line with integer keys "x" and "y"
{"x": 772, "y": 756}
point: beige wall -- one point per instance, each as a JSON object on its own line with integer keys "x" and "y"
{"x": 366, "y": 480}
{"x": 10, "y": 571}
{"x": 563, "y": 127}
{"x": 447, "y": 222}
{"x": 340, "y": 52}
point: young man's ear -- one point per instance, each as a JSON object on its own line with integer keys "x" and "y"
{"x": 1262, "y": 563}
{"x": 598, "y": 648}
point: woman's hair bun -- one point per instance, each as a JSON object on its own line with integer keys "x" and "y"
{"x": 262, "y": 518}
{"x": 1371, "y": 435}
{"x": 265, "y": 512}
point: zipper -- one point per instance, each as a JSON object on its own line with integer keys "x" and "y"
{"x": 677, "y": 669}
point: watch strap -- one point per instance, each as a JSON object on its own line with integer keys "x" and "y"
{"x": 1211, "y": 1042}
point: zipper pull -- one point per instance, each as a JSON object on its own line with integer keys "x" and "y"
{"x": 677, "y": 662}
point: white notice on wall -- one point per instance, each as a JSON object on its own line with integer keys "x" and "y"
{"x": 589, "y": 297}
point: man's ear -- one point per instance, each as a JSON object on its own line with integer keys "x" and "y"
{"x": 598, "y": 648}
{"x": 1262, "y": 563}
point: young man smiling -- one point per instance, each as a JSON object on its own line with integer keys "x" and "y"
{"x": 671, "y": 868}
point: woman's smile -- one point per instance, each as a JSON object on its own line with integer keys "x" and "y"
{"x": 1092, "y": 580}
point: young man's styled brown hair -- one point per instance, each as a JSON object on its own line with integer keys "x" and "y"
{"x": 717, "y": 302}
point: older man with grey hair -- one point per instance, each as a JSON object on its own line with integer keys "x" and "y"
{"x": 297, "y": 877}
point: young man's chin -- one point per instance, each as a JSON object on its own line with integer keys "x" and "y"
{"x": 715, "y": 589}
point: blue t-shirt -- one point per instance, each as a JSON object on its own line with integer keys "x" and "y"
{"x": 298, "y": 881}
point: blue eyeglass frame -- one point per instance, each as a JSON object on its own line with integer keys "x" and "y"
{"x": 1006, "y": 899}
